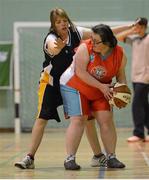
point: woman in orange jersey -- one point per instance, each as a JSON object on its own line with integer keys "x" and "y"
{"x": 59, "y": 44}
{"x": 85, "y": 89}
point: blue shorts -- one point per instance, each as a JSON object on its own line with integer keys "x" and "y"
{"x": 71, "y": 101}
{"x": 76, "y": 104}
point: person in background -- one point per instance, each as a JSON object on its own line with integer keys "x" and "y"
{"x": 138, "y": 38}
{"x": 85, "y": 88}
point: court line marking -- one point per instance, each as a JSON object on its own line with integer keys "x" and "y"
{"x": 145, "y": 157}
{"x": 10, "y": 159}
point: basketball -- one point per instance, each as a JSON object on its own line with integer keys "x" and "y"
{"x": 121, "y": 95}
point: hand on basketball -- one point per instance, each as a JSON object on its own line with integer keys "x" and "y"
{"x": 60, "y": 44}
{"x": 121, "y": 95}
{"x": 107, "y": 91}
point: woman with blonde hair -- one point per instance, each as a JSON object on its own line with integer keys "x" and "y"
{"x": 59, "y": 44}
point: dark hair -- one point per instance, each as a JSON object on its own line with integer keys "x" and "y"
{"x": 142, "y": 21}
{"x": 106, "y": 34}
{"x": 59, "y": 12}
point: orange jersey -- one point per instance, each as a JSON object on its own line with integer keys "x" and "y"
{"x": 102, "y": 70}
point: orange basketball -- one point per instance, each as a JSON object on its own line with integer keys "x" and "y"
{"x": 121, "y": 95}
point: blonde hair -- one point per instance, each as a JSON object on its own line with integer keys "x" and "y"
{"x": 59, "y": 12}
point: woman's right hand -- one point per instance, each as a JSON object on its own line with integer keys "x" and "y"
{"x": 60, "y": 44}
{"x": 55, "y": 46}
{"x": 106, "y": 90}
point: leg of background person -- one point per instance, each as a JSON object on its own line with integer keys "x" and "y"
{"x": 74, "y": 134}
{"x": 107, "y": 130}
{"x": 37, "y": 134}
{"x": 92, "y": 137}
{"x": 146, "y": 108}
{"x": 138, "y": 110}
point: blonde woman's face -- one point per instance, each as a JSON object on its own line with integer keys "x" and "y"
{"x": 61, "y": 25}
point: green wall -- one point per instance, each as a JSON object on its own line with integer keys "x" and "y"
{"x": 79, "y": 10}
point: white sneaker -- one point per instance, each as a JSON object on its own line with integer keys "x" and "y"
{"x": 99, "y": 162}
{"x": 26, "y": 163}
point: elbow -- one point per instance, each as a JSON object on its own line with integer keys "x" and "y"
{"x": 80, "y": 73}
{"x": 77, "y": 72}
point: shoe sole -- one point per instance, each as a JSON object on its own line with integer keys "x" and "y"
{"x": 95, "y": 166}
{"x": 98, "y": 166}
{"x": 19, "y": 166}
{"x": 116, "y": 167}
{"x": 22, "y": 167}
{"x": 72, "y": 169}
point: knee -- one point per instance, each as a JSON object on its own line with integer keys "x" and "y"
{"x": 106, "y": 124}
{"x": 78, "y": 122}
{"x": 41, "y": 123}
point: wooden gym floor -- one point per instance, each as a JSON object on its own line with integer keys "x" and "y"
{"x": 51, "y": 154}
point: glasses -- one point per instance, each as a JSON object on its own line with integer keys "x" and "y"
{"x": 96, "y": 42}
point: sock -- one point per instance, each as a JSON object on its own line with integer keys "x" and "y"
{"x": 70, "y": 157}
{"x": 98, "y": 155}
{"x": 111, "y": 156}
{"x": 31, "y": 156}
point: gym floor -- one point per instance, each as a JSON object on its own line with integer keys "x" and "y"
{"x": 51, "y": 153}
